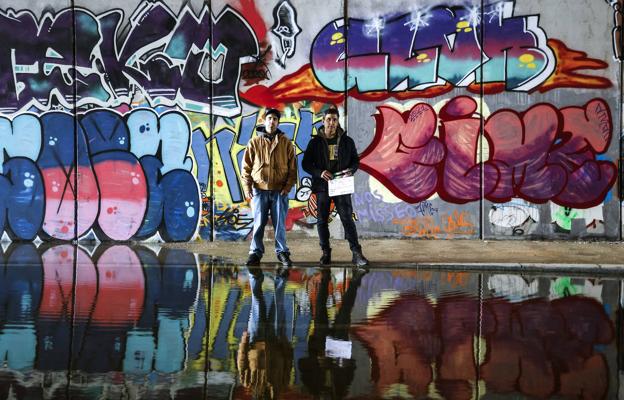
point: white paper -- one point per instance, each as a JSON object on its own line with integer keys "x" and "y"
{"x": 341, "y": 186}
{"x": 335, "y": 348}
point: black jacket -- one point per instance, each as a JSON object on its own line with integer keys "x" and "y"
{"x": 316, "y": 157}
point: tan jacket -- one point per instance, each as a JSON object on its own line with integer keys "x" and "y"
{"x": 269, "y": 165}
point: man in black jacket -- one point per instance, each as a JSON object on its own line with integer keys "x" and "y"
{"x": 330, "y": 152}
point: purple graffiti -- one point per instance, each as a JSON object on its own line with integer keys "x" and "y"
{"x": 542, "y": 154}
{"x": 167, "y": 56}
{"x": 432, "y": 47}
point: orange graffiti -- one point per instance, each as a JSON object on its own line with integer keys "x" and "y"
{"x": 457, "y": 279}
{"x": 568, "y": 62}
{"x": 455, "y": 223}
{"x": 302, "y": 84}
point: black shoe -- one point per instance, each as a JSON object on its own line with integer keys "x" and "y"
{"x": 284, "y": 259}
{"x": 359, "y": 259}
{"x": 253, "y": 260}
{"x": 256, "y": 272}
{"x": 357, "y": 273}
{"x": 282, "y": 272}
{"x": 326, "y": 257}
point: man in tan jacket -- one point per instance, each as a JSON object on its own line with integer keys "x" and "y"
{"x": 269, "y": 171}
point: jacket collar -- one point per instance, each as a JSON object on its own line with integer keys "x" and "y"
{"x": 261, "y": 129}
{"x": 339, "y": 132}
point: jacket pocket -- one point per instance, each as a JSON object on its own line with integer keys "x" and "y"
{"x": 280, "y": 174}
{"x": 259, "y": 171}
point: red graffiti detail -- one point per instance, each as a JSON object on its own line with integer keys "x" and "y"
{"x": 401, "y": 159}
{"x": 293, "y": 215}
{"x": 543, "y": 154}
{"x": 302, "y": 84}
{"x": 568, "y": 63}
{"x": 252, "y": 16}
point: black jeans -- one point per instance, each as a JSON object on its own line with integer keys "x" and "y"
{"x": 345, "y": 210}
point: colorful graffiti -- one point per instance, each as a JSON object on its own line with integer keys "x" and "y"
{"x": 123, "y": 177}
{"x": 172, "y": 59}
{"x": 120, "y": 303}
{"x": 433, "y": 47}
{"x": 229, "y": 143}
{"x": 507, "y": 362}
{"x": 542, "y": 154}
{"x": 131, "y": 125}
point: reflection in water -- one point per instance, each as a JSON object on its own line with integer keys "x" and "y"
{"x": 120, "y": 309}
{"x": 136, "y": 323}
{"x": 329, "y": 371}
{"x": 264, "y": 358}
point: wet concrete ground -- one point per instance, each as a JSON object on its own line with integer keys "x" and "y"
{"x": 391, "y": 252}
{"x": 119, "y": 322}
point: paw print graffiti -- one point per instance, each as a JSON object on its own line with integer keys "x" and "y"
{"x": 337, "y": 38}
{"x": 527, "y": 60}
{"x": 112, "y": 210}
{"x": 144, "y": 128}
{"x": 423, "y": 58}
{"x": 463, "y": 26}
{"x": 135, "y": 178}
{"x": 190, "y": 210}
{"x": 55, "y": 186}
{"x": 53, "y": 140}
{"x": 29, "y": 179}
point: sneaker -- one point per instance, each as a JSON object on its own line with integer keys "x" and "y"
{"x": 326, "y": 257}
{"x": 253, "y": 260}
{"x": 359, "y": 259}
{"x": 284, "y": 258}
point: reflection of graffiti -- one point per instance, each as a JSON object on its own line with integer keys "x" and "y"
{"x": 167, "y": 56}
{"x": 517, "y": 215}
{"x": 286, "y": 29}
{"x": 434, "y": 47}
{"x": 131, "y": 177}
{"x": 126, "y": 310}
{"x": 541, "y": 154}
{"x": 535, "y": 348}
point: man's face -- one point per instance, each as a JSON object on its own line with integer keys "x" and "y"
{"x": 330, "y": 122}
{"x": 270, "y": 123}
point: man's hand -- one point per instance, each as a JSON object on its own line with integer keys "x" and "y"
{"x": 284, "y": 192}
{"x": 328, "y": 176}
{"x": 248, "y": 195}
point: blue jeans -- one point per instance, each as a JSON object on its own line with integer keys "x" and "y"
{"x": 262, "y": 202}
{"x": 263, "y": 325}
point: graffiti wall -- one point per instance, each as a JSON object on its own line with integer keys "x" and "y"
{"x": 128, "y": 120}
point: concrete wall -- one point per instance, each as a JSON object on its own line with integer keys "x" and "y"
{"x": 128, "y": 120}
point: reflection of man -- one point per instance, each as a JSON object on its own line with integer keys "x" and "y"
{"x": 268, "y": 173}
{"x": 265, "y": 355}
{"x": 329, "y": 153}
{"x": 324, "y": 375}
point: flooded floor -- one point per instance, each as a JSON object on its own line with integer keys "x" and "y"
{"x": 119, "y": 322}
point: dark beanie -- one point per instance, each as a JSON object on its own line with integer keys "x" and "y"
{"x": 273, "y": 111}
